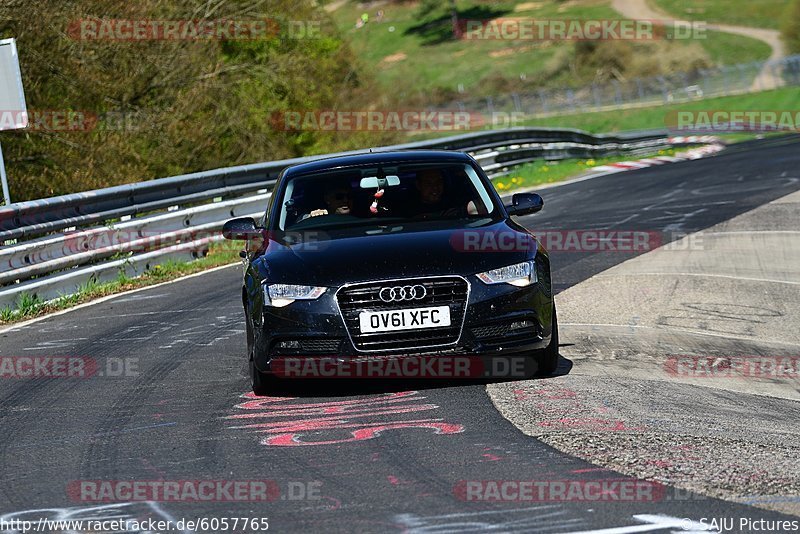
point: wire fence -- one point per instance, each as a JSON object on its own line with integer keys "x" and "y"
{"x": 641, "y": 92}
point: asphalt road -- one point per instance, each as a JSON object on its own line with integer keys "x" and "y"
{"x": 369, "y": 457}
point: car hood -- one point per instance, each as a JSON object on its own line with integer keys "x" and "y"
{"x": 393, "y": 253}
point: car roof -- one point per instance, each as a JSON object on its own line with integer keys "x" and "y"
{"x": 376, "y": 158}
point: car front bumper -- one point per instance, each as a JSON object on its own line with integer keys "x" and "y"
{"x": 499, "y": 320}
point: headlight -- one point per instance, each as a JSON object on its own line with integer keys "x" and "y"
{"x": 280, "y": 295}
{"x": 519, "y": 274}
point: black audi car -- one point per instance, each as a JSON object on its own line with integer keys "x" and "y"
{"x": 393, "y": 254}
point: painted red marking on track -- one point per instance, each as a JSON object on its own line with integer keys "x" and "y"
{"x": 556, "y": 403}
{"x": 521, "y": 394}
{"x": 301, "y": 423}
{"x": 336, "y": 503}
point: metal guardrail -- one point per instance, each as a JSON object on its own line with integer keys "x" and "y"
{"x": 54, "y": 246}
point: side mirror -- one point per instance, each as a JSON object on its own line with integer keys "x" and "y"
{"x": 242, "y": 228}
{"x": 525, "y": 204}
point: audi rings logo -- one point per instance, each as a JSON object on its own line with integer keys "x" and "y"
{"x": 400, "y": 293}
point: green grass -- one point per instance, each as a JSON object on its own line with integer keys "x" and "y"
{"x": 29, "y": 306}
{"x": 729, "y": 49}
{"x": 412, "y": 60}
{"x": 758, "y": 13}
{"x": 655, "y": 117}
{"x": 546, "y": 172}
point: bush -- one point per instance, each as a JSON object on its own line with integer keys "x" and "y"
{"x": 169, "y": 107}
{"x": 601, "y": 61}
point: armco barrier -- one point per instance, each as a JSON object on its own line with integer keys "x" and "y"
{"x": 53, "y": 246}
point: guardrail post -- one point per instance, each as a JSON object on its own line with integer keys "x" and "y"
{"x": 639, "y": 89}
{"x": 617, "y": 92}
{"x": 779, "y": 81}
{"x": 742, "y": 76}
{"x": 571, "y": 99}
{"x": 664, "y": 90}
{"x": 704, "y": 77}
{"x": 4, "y": 178}
{"x": 726, "y": 80}
{"x": 543, "y": 100}
{"x": 595, "y": 95}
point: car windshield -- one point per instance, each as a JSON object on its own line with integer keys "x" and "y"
{"x": 386, "y": 194}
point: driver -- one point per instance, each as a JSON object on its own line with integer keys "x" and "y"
{"x": 432, "y": 201}
{"x": 431, "y": 198}
{"x": 430, "y": 187}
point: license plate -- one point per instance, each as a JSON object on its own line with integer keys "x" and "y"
{"x": 410, "y": 319}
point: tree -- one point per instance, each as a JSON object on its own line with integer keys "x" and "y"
{"x": 165, "y": 107}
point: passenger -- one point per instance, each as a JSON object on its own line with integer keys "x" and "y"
{"x": 338, "y": 201}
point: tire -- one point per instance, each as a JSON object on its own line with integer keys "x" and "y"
{"x": 262, "y": 383}
{"x": 547, "y": 359}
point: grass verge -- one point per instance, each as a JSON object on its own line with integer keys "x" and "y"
{"x": 787, "y": 98}
{"x": 658, "y": 116}
{"x": 539, "y": 173}
{"x": 29, "y": 307}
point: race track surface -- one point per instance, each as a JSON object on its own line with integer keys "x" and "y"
{"x": 350, "y": 457}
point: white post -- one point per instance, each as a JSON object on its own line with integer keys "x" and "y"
{"x": 3, "y": 177}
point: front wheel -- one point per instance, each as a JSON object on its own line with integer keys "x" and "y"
{"x": 547, "y": 359}
{"x": 262, "y": 383}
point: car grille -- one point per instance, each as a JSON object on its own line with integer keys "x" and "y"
{"x": 522, "y": 327}
{"x": 490, "y": 331}
{"x": 446, "y": 290}
{"x": 328, "y": 346}
{"x": 320, "y": 345}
